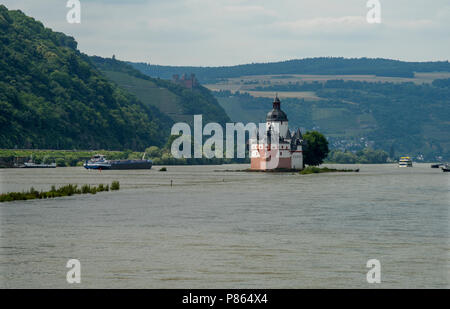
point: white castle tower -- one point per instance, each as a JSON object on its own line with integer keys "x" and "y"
{"x": 277, "y": 142}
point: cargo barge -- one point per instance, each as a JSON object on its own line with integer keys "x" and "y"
{"x": 99, "y": 162}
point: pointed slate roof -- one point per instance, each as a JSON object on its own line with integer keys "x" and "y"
{"x": 298, "y": 135}
{"x": 288, "y": 134}
{"x": 276, "y": 114}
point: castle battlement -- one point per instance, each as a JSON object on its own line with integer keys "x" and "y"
{"x": 185, "y": 81}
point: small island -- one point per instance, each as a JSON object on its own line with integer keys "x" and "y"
{"x": 67, "y": 190}
{"x": 306, "y": 171}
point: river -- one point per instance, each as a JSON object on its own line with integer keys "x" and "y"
{"x": 219, "y": 229}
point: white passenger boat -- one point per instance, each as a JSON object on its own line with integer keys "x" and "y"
{"x": 405, "y": 162}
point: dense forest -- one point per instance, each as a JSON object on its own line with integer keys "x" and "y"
{"x": 402, "y": 118}
{"x": 51, "y": 96}
{"x": 363, "y": 156}
{"x": 413, "y": 118}
{"x": 320, "y": 66}
{"x": 442, "y": 83}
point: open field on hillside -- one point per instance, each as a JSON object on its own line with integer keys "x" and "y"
{"x": 150, "y": 94}
{"x": 286, "y": 78}
{"x": 146, "y": 91}
{"x": 247, "y": 83}
{"x": 285, "y": 94}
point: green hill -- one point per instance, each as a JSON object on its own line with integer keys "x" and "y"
{"x": 52, "y": 96}
{"x": 176, "y": 101}
{"x": 400, "y": 118}
{"x": 314, "y": 66}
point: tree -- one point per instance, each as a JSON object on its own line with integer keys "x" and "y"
{"x": 316, "y": 149}
{"x": 153, "y": 152}
{"x": 392, "y": 152}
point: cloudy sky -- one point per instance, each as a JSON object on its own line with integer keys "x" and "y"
{"x": 228, "y": 32}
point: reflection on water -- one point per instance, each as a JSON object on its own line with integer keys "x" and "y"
{"x": 217, "y": 229}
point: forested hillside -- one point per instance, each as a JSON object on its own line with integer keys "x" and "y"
{"x": 51, "y": 96}
{"x": 177, "y": 102}
{"x": 400, "y": 118}
{"x": 320, "y": 66}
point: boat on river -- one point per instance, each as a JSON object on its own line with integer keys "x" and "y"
{"x": 437, "y": 165}
{"x": 32, "y": 164}
{"x": 99, "y": 162}
{"x": 405, "y": 162}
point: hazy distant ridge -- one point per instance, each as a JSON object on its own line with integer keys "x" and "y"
{"x": 326, "y": 66}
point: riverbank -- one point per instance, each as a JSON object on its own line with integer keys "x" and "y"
{"x": 10, "y": 158}
{"x": 63, "y": 158}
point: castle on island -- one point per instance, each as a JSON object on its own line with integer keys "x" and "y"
{"x": 266, "y": 153}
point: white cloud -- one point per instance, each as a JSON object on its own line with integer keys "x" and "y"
{"x": 320, "y": 24}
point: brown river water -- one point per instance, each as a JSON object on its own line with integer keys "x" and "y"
{"x": 220, "y": 229}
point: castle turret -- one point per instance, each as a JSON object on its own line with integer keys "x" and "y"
{"x": 277, "y": 143}
{"x": 277, "y": 118}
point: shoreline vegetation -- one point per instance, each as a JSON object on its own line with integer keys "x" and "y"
{"x": 67, "y": 190}
{"x": 306, "y": 171}
{"x": 10, "y": 158}
{"x": 160, "y": 157}
{"x": 318, "y": 170}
